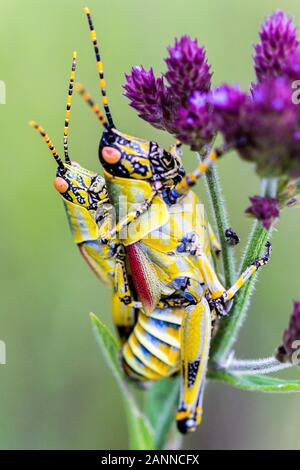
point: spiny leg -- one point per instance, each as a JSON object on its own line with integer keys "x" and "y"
{"x": 88, "y": 99}
{"x": 131, "y": 217}
{"x": 68, "y": 107}
{"x": 220, "y": 296}
{"x": 220, "y": 302}
{"x": 190, "y": 244}
{"x": 188, "y": 181}
{"x": 195, "y": 343}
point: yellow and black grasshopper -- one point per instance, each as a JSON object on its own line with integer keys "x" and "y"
{"x": 90, "y": 216}
{"x": 164, "y": 245}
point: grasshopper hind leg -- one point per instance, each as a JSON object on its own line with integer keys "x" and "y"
{"x": 195, "y": 342}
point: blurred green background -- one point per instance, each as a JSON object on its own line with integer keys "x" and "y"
{"x": 55, "y": 391}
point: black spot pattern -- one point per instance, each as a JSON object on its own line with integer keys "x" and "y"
{"x": 192, "y": 372}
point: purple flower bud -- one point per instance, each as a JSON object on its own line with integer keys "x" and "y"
{"x": 290, "y": 336}
{"x": 188, "y": 70}
{"x": 194, "y": 123}
{"x": 278, "y": 41}
{"x": 264, "y": 209}
{"x": 146, "y": 94}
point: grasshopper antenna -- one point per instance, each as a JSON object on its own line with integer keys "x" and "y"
{"x": 88, "y": 99}
{"x": 68, "y": 107}
{"x": 48, "y": 141}
{"x": 100, "y": 69}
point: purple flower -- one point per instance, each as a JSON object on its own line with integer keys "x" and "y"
{"x": 187, "y": 69}
{"x": 230, "y": 106}
{"x": 273, "y": 126}
{"x": 263, "y": 127}
{"x": 146, "y": 94}
{"x": 264, "y": 209}
{"x": 278, "y": 41}
{"x": 158, "y": 100}
{"x": 291, "y": 334}
{"x": 194, "y": 123}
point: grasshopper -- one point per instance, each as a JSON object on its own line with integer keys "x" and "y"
{"x": 169, "y": 245}
{"x": 157, "y": 255}
{"x": 89, "y": 213}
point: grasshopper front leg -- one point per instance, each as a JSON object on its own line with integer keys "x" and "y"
{"x": 130, "y": 217}
{"x": 218, "y": 293}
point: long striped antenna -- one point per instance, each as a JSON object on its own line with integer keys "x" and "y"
{"x": 68, "y": 108}
{"x": 100, "y": 68}
{"x": 88, "y": 99}
{"x": 48, "y": 141}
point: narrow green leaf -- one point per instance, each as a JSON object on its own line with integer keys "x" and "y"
{"x": 256, "y": 383}
{"x": 160, "y": 406}
{"x": 140, "y": 430}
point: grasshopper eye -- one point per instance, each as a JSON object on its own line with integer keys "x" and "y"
{"x": 61, "y": 185}
{"x": 111, "y": 155}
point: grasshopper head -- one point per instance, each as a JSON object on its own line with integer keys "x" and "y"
{"x": 80, "y": 186}
{"x": 75, "y": 184}
{"x": 130, "y": 157}
{"x": 123, "y": 155}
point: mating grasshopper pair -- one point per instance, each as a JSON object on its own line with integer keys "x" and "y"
{"x": 157, "y": 256}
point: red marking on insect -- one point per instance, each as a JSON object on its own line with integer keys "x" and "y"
{"x": 139, "y": 278}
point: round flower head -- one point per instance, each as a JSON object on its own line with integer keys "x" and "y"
{"x": 278, "y": 41}
{"x": 272, "y": 123}
{"x": 194, "y": 123}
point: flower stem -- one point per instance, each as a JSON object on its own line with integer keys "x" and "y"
{"x": 230, "y": 326}
{"x": 257, "y": 366}
{"x": 221, "y": 217}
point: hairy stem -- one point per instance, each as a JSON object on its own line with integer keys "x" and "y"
{"x": 230, "y": 326}
{"x": 221, "y": 218}
{"x": 257, "y": 366}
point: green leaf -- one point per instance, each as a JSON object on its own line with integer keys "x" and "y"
{"x": 140, "y": 430}
{"x": 256, "y": 383}
{"x": 160, "y": 406}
